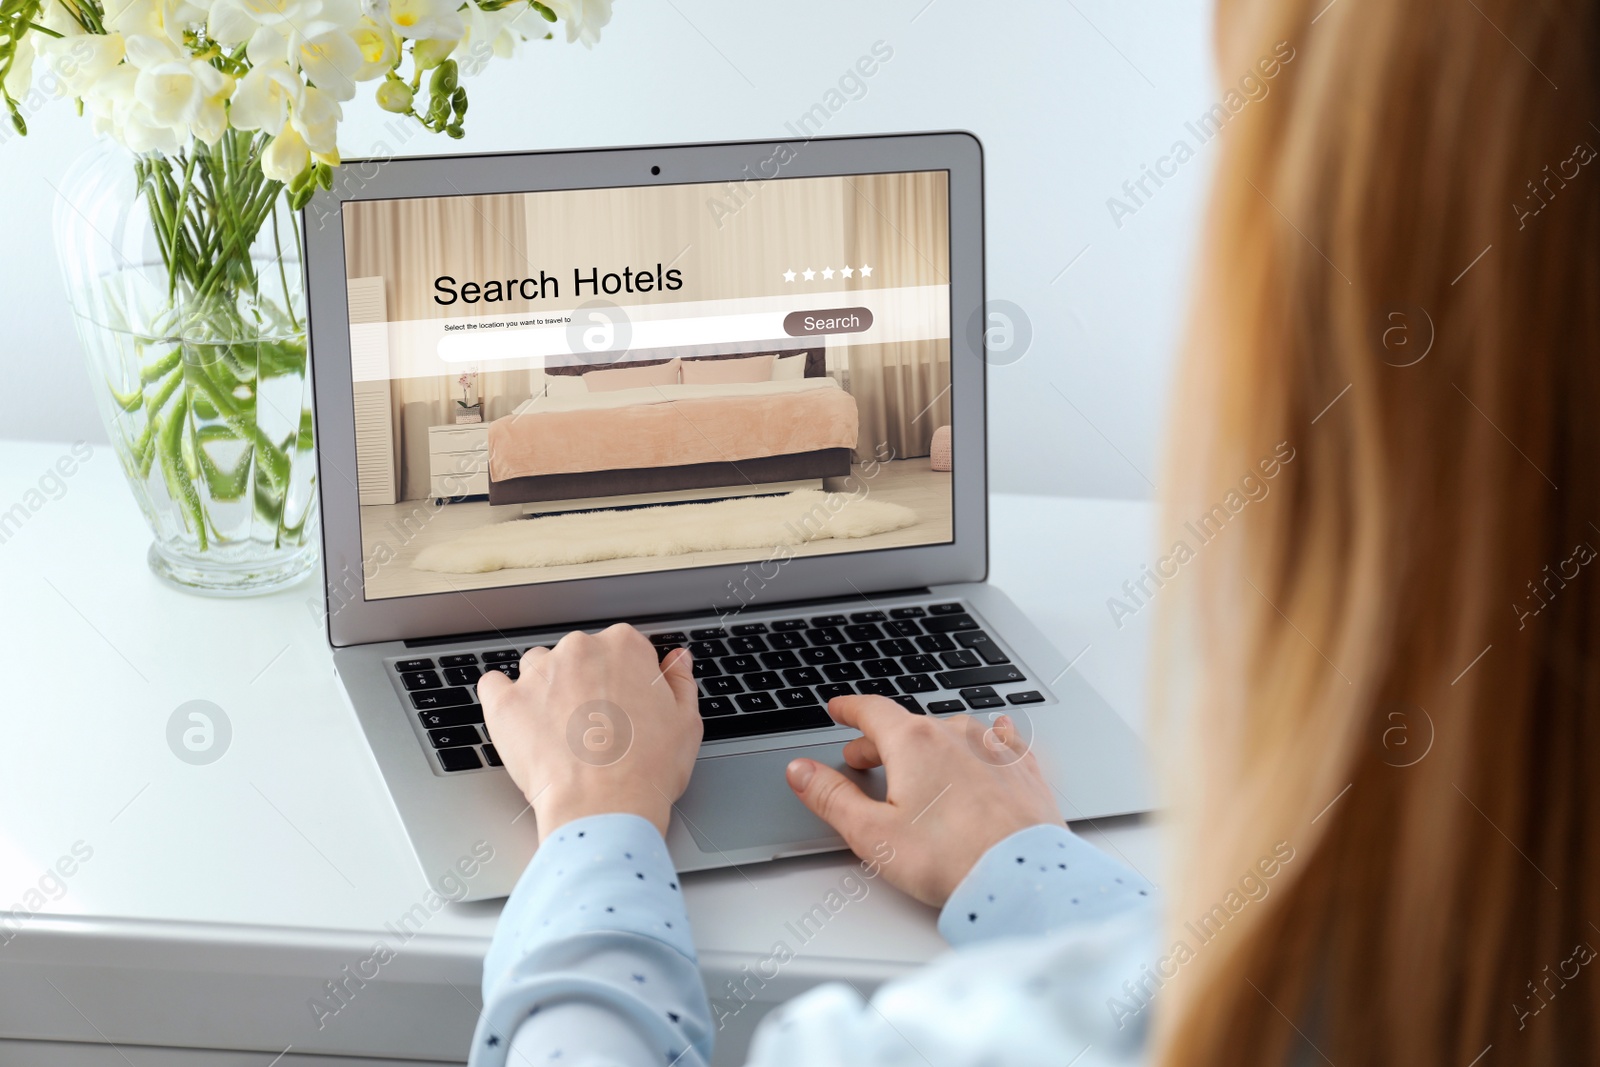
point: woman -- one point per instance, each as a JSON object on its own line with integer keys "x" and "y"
{"x": 1384, "y": 677}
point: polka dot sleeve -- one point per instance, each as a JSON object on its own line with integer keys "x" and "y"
{"x": 1036, "y": 881}
{"x": 593, "y": 961}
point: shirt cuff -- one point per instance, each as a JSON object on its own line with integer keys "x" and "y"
{"x": 1035, "y": 881}
{"x": 600, "y": 873}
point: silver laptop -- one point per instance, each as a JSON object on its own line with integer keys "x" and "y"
{"x": 731, "y": 393}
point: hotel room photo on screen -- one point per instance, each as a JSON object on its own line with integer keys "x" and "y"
{"x": 560, "y": 385}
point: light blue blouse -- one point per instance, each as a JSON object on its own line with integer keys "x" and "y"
{"x": 593, "y": 964}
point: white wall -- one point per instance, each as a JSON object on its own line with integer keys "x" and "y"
{"x": 1069, "y": 99}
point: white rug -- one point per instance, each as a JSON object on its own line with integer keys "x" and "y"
{"x": 668, "y": 530}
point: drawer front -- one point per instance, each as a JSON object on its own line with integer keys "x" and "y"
{"x": 461, "y": 485}
{"x": 443, "y": 463}
{"x": 458, "y": 439}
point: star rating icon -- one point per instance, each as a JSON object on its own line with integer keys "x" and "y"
{"x": 866, "y": 271}
{"x": 788, "y": 275}
{"x": 827, "y": 272}
{"x": 847, "y": 271}
{"x": 808, "y": 274}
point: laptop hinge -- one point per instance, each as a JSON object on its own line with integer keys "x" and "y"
{"x": 646, "y": 620}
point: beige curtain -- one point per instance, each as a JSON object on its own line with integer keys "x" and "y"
{"x": 409, "y": 243}
{"x": 900, "y": 224}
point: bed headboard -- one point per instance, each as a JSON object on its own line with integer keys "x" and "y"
{"x": 816, "y": 361}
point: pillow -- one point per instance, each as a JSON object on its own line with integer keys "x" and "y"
{"x": 789, "y": 368}
{"x": 605, "y": 381}
{"x": 727, "y": 371}
{"x": 564, "y": 385}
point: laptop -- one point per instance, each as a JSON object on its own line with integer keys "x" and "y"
{"x": 730, "y": 393}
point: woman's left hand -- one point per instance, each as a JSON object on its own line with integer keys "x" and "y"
{"x": 596, "y": 725}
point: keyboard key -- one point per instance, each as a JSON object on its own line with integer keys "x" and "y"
{"x": 803, "y": 676}
{"x": 711, "y": 633}
{"x": 827, "y": 620}
{"x": 819, "y": 655}
{"x": 798, "y": 697}
{"x": 896, "y": 646}
{"x": 877, "y": 686}
{"x": 707, "y": 647}
{"x": 961, "y": 657}
{"x": 441, "y": 698}
{"x": 916, "y": 683}
{"x": 946, "y": 609}
{"x": 910, "y": 703}
{"x": 754, "y": 702}
{"x": 454, "y": 736}
{"x": 783, "y": 625}
{"x": 492, "y": 756}
{"x": 434, "y": 720}
{"x": 939, "y": 707}
{"x": 462, "y": 675}
{"x": 985, "y": 702}
{"x": 710, "y": 707}
{"x": 983, "y": 645}
{"x": 510, "y": 670}
{"x": 864, "y": 631}
{"x": 740, "y": 664}
{"x": 906, "y": 613}
{"x": 858, "y": 650}
{"x": 902, "y": 628}
{"x": 919, "y": 664}
{"x": 406, "y": 665}
{"x": 414, "y": 680}
{"x": 459, "y": 759}
{"x": 778, "y": 661}
{"x": 787, "y": 641}
{"x": 746, "y": 645}
{"x": 721, "y": 687}
{"x": 882, "y": 668}
{"x": 705, "y": 668}
{"x": 745, "y": 629}
{"x": 771, "y": 722}
{"x": 834, "y": 689}
{"x": 503, "y": 655}
{"x": 935, "y": 643}
{"x": 979, "y": 676}
{"x": 826, "y": 635}
{"x": 763, "y": 680}
{"x": 843, "y": 672}
{"x": 867, "y": 616}
{"x": 1031, "y": 696}
{"x": 946, "y": 624}
{"x": 466, "y": 659}
{"x": 663, "y": 650}
{"x": 671, "y": 637}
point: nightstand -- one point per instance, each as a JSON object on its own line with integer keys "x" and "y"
{"x": 458, "y": 461}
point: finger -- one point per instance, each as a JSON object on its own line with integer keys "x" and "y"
{"x": 493, "y": 688}
{"x": 862, "y": 753}
{"x": 874, "y": 716}
{"x": 834, "y": 799}
{"x": 678, "y": 670}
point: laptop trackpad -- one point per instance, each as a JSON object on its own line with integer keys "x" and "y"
{"x": 744, "y": 801}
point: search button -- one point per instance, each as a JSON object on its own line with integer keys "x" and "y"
{"x": 829, "y": 320}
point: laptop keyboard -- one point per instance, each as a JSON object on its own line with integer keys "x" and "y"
{"x": 759, "y": 678}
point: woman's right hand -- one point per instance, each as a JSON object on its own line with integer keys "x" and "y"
{"x": 956, "y": 787}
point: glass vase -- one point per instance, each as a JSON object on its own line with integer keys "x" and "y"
{"x": 183, "y": 274}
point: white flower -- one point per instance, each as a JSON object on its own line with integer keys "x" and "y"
{"x": 286, "y": 157}
{"x": 81, "y": 60}
{"x": 233, "y": 21}
{"x": 380, "y": 49}
{"x": 19, "y": 78}
{"x": 426, "y": 19}
{"x": 494, "y": 34}
{"x": 265, "y": 96}
{"x": 584, "y": 18}
{"x": 117, "y": 111}
{"x": 162, "y": 19}
{"x": 186, "y": 95}
{"x": 316, "y": 118}
{"x": 331, "y": 60}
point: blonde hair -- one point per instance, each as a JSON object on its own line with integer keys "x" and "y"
{"x": 1414, "y": 185}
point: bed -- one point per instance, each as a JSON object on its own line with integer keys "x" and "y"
{"x": 673, "y": 438}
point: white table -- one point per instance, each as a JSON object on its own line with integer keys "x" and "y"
{"x": 217, "y": 900}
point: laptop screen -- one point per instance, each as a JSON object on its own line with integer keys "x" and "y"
{"x": 562, "y": 385}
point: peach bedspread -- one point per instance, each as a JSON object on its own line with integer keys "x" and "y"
{"x": 670, "y": 434}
